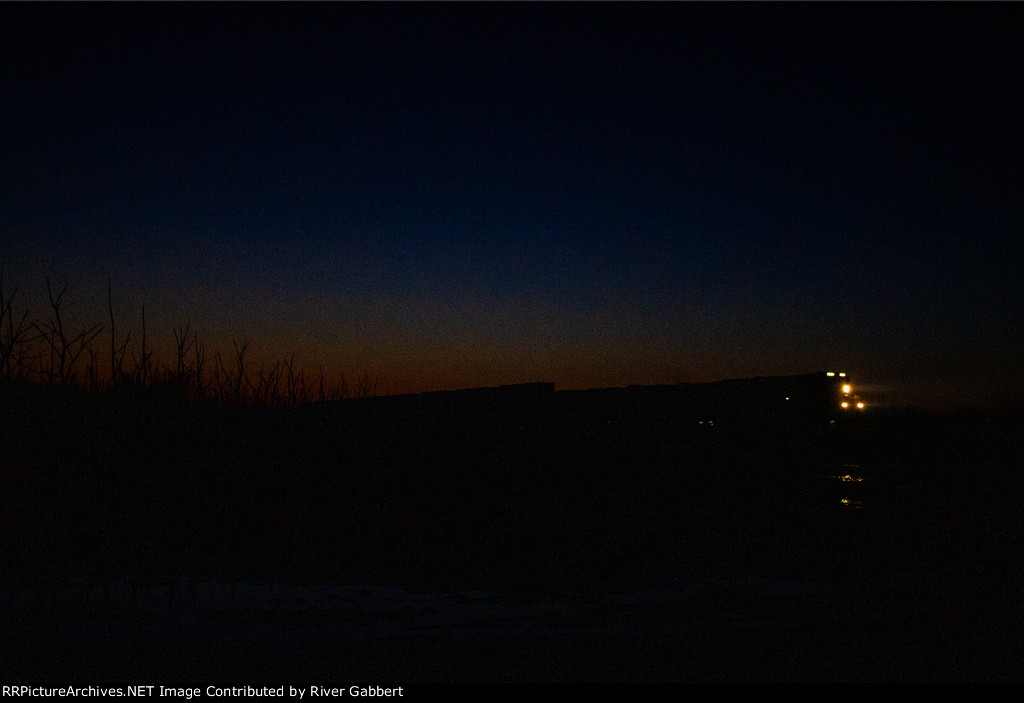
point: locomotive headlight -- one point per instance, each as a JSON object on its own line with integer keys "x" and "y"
{"x": 846, "y": 389}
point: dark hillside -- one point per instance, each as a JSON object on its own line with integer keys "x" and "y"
{"x": 513, "y": 485}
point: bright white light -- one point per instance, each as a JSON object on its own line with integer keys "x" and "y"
{"x": 846, "y": 389}
{"x": 860, "y": 406}
{"x": 842, "y": 373}
{"x": 831, "y": 373}
{"x": 844, "y": 405}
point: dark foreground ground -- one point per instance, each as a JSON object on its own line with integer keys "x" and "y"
{"x": 582, "y": 549}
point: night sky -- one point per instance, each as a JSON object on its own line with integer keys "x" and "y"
{"x": 456, "y": 195}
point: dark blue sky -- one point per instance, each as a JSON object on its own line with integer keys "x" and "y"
{"x": 451, "y": 195}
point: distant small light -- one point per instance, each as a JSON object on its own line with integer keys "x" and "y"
{"x": 787, "y": 397}
{"x": 844, "y": 405}
{"x": 841, "y": 373}
{"x": 860, "y": 406}
{"x": 846, "y": 389}
{"x": 831, "y": 373}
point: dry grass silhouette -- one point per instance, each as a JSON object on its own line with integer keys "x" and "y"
{"x": 57, "y": 351}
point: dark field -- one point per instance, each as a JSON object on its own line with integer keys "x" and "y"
{"x": 594, "y": 535}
